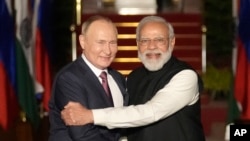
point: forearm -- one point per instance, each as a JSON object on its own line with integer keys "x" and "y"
{"x": 139, "y": 115}
{"x": 123, "y": 117}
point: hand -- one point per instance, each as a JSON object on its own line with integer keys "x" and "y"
{"x": 76, "y": 114}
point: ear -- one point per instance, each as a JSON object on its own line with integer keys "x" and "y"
{"x": 172, "y": 43}
{"x": 82, "y": 40}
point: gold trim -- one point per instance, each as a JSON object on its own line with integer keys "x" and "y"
{"x": 127, "y": 60}
{"x": 127, "y": 24}
{"x": 133, "y": 36}
{"x": 126, "y": 36}
{"x": 124, "y": 72}
{"x": 78, "y": 12}
{"x": 108, "y": 1}
{"x": 134, "y": 48}
{"x": 125, "y": 48}
{"x": 135, "y": 24}
{"x": 204, "y": 29}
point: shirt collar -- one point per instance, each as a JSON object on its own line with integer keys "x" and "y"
{"x": 96, "y": 71}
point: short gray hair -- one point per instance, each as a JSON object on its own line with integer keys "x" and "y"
{"x": 149, "y": 19}
{"x": 90, "y": 20}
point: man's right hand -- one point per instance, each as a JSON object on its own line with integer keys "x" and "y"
{"x": 76, "y": 114}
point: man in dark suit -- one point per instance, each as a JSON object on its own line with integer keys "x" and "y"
{"x": 79, "y": 81}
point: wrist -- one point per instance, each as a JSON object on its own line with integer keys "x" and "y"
{"x": 91, "y": 118}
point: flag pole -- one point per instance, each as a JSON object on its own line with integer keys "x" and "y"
{"x": 235, "y": 17}
{"x": 204, "y": 48}
{"x": 78, "y": 12}
{"x": 77, "y": 22}
{"x": 73, "y": 41}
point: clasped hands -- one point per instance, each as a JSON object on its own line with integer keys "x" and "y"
{"x": 76, "y": 114}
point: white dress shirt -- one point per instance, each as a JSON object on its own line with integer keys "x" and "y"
{"x": 182, "y": 90}
{"x": 115, "y": 91}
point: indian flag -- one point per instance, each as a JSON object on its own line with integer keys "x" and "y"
{"x": 27, "y": 87}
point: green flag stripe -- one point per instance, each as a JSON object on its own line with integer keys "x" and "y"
{"x": 25, "y": 88}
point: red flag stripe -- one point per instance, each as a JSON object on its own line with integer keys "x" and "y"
{"x": 43, "y": 74}
{"x": 8, "y": 101}
{"x": 3, "y": 98}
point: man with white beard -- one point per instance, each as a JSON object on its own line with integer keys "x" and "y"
{"x": 164, "y": 93}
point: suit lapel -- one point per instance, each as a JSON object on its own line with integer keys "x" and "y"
{"x": 91, "y": 78}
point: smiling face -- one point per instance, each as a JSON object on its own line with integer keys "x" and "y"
{"x": 99, "y": 43}
{"x": 154, "y": 45}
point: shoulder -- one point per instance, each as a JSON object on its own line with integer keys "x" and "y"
{"x": 115, "y": 73}
{"x": 137, "y": 72}
{"x": 72, "y": 70}
{"x": 187, "y": 74}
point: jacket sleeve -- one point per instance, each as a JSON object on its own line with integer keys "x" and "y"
{"x": 65, "y": 89}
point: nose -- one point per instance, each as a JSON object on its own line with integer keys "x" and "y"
{"x": 106, "y": 48}
{"x": 152, "y": 45}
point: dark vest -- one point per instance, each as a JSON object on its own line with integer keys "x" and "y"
{"x": 184, "y": 125}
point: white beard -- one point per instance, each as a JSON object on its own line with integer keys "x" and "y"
{"x": 155, "y": 64}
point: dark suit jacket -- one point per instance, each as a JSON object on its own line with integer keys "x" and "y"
{"x": 76, "y": 82}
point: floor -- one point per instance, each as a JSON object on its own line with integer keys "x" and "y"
{"x": 217, "y": 133}
{"x": 214, "y": 116}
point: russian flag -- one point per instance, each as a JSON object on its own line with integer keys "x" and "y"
{"x": 239, "y": 100}
{"x": 242, "y": 76}
{"x": 43, "y": 49}
{"x": 8, "y": 99}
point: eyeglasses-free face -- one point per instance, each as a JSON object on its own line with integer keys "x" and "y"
{"x": 99, "y": 43}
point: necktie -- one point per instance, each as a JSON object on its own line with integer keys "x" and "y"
{"x": 105, "y": 85}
